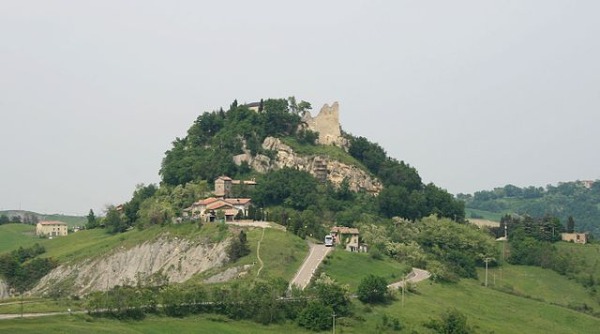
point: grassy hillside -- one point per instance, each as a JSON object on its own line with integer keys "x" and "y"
{"x": 14, "y": 235}
{"x": 349, "y": 268}
{"x": 208, "y": 324}
{"x": 540, "y": 284}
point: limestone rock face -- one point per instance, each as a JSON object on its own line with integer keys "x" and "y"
{"x": 327, "y": 124}
{"x": 176, "y": 259}
{"x": 319, "y": 166}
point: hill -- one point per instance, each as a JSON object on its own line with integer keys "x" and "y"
{"x": 29, "y": 217}
{"x": 578, "y": 199}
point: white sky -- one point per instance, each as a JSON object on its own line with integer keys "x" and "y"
{"x": 474, "y": 94}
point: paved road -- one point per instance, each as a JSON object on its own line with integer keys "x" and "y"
{"x": 310, "y": 265}
{"x": 35, "y": 315}
{"x": 415, "y": 276}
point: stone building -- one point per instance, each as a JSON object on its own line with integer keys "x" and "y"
{"x": 578, "y": 238}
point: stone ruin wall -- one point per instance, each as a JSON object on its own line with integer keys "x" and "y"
{"x": 327, "y": 124}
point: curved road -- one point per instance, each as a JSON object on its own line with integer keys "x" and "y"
{"x": 415, "y": 276}
{"x": 310, "y": 265}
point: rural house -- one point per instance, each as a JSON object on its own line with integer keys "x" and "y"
{"x": 207, "y": 209}
{"x": 346, "y": 236}
{"x": 51, "y": 229}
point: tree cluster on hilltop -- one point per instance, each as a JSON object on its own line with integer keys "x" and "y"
{"x": 575, "y": 199}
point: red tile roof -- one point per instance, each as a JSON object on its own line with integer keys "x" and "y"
{"x": 344, "y": 230}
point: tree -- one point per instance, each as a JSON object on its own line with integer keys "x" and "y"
{"x": 451, "y": 322}
{"x": 570, "y": 225}
{"x": 316, "y": 317}
{"x": 372, "y": 289}
{"x": 91, "y": 220}
{"x": 114, "y": 222}
{"x": 333, "y": 295}
{"x": 238, "y": 247}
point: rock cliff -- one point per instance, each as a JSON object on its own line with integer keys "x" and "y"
{"x": 318, "y": 166}
{"x": 151, "y": 263}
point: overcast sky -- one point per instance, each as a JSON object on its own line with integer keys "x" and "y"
{"x": 474, "y": 94}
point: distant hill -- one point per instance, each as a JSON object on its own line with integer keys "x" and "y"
{"x": 579, "y": 199}
{"x": 30, "y": 217}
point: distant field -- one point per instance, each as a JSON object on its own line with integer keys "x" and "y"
{"x": 14, "y": 235}
{"x": 493, "y": 216}
{"x": 484, "y": 222}
{"x": 72, "y": 221}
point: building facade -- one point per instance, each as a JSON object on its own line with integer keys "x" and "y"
{"x": 51, "y": 229}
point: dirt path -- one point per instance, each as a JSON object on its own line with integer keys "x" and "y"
{"x": 262, "y": 264}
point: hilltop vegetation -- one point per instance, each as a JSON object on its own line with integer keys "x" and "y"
{"x": 578, "y": 199}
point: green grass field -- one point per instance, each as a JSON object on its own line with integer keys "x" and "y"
{"x": 588, "y": 255}
{"x": 14, "y": 235}
{"x": 486, "y": 309}
{"x": 81, "y": 323}
{"x": 493, "y": 216}
{"x": 350, "y": 268}
{"x": 541, "y": 284}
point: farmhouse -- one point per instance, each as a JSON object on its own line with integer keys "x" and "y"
{"x": 346, "y": 236}
{"x": 51, "y": 229}
{"x": 210, "y": 208}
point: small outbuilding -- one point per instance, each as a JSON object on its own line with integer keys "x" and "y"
{"x": 578, "y": 238}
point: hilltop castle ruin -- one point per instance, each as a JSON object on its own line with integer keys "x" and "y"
{"x": 327, "y": 124}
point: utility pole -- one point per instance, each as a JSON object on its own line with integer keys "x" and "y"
{"x": 333, "y": 315}
{"x": 487, "y": 260}
{"x": 403, "y": 288}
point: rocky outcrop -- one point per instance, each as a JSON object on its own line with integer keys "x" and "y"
{"x": 319, "y": 166}
{"x": 151, "y": 263}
